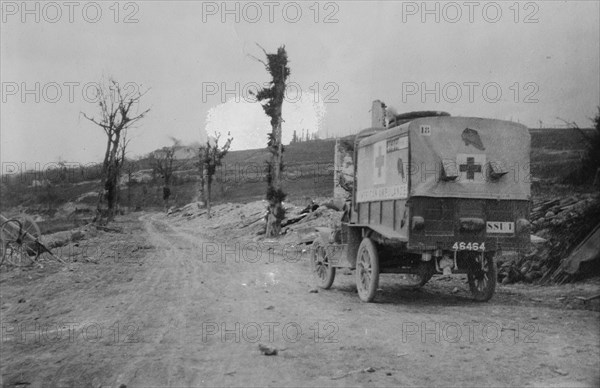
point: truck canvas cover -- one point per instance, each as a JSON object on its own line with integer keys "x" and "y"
{"x": 452, "y": 157}
{"x": 474, "y": 150}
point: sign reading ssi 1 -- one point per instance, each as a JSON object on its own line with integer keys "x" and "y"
{"x": 500, "y": 227}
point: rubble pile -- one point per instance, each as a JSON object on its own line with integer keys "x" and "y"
{"x": 304, "y": 231}
{"x": 560, "y": 225}
{"x": 247, "y": 221}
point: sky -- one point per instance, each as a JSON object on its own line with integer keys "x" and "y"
{"x": 536, "y": 63}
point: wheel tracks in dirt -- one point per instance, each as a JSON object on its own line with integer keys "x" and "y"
{"x": 163, "y": 298}
{"x": 240, "y": 301}
{"x": 172, "y": 356}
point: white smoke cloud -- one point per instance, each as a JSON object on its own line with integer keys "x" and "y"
{"x": 249, "y": 125}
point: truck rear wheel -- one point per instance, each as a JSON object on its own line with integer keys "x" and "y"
{"x": 483, "y": 276}
{"x": 367, "y": 270}
{"x": 320, "y": 265}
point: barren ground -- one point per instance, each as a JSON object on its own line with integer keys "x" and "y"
{"x": 164, "y": 312}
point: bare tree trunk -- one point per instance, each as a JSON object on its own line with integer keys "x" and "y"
{"x": 104, "y": 179}
{"x": 113, "y": 175}
{"x": 129, "y": 188}
{"x": 275, "y": 207}
{"x": 276, "y": 211}
{"x": 111, "y": 195}
{"x": 208, "y": 189}
{"x": 202, "y": 183}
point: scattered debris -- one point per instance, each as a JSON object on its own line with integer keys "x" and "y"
{"x": 292, "y": 219}
{"x": 537, "y": 240}
{"x": 562, "y": 227}
{"x": 267, "y": 350}
{"x": 587, "y": 300}
{"x": 560, "y": 372}
{"x": 587, "y": 251}
{"x": 107, "y": 229}
{"x": 311, "y": 207}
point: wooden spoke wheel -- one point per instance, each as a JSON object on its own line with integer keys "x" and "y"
{"x": 320, "y": 265}
{"x": 482, "y": 276}
{"x": 18, "y": 239}
{"x": 367, "y": 270}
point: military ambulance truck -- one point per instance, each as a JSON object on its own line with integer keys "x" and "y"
{"x": 432, "y": 194}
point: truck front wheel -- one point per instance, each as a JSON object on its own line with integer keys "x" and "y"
{"x": 367, "y": 270}
{"x": 321, "y": 267}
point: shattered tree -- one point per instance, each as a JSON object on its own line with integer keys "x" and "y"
{"x": 124, "y": 166}
{"x": 213, "y": 155}
{"x": 165, "y": 163}
{"x": 200, "y": 165}
{"x": 116, "y": 116}
{"x": 272, "y": 97}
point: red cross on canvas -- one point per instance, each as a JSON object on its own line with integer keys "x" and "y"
{"x": 470, "y": 168}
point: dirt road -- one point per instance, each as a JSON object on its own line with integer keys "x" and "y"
{"x": 176, "y": 309}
